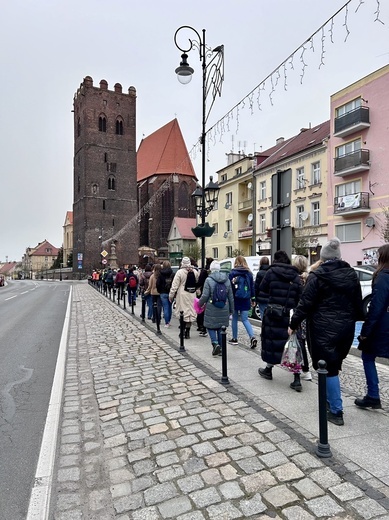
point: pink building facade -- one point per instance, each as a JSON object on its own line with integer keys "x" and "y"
{"x": 358, "y": 167}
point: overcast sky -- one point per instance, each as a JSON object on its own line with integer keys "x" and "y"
{"x": 49, "y": 46}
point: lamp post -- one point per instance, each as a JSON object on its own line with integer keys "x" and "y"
{"x": 212, "y": 63}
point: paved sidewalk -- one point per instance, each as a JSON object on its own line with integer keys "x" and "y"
{"x": 149, "y": 433}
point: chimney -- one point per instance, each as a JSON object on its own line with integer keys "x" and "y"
{"x": 280, "y": 140}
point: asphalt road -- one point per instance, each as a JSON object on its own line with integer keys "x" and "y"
{"x": 31, "y": 321}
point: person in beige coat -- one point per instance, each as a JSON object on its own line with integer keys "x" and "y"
{"x": 184, "y": 299}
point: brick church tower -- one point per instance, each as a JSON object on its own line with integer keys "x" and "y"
{"x": 105, "y": 184}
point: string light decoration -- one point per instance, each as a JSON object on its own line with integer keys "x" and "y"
{"x": 223, "y": 125}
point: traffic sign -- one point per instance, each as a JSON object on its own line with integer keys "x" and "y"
{"x": 104, "y": 253}
{"x": 104, "y": 261}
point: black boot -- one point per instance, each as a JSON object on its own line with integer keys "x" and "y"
{"x": 296, "y": 384}
{"x": 187, "y": 332}
{"x": 368, "y": 402}
{"x": 266, "y": 372}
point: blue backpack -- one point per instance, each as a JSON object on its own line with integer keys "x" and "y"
{"x": 219, "y": 295}
{"x": 242, "y": 286}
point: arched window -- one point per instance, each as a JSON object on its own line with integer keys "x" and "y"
{"x": 119, "y": 127}
{"x": 78, "y": 127}
{"x": 78, "y": 184}
{"x": 102, "y": 124}
{"x": 111, "y": 183}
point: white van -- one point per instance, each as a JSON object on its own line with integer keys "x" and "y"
{"x": 252, "y": 261}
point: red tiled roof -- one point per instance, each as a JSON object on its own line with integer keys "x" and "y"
{"x": 41, "y": 249}
{"x": 307, "y": 138}
{"x": 164, "y": 152}
{"x": 184, "y": 227}
{"x": 8, "y": 267}
{"x": 69, "y": 218}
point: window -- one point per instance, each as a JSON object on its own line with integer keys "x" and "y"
{"x": 111, "y": 183}
{"x": 348, "y": 232}
{"x": 262, "y": 223}
{"x": 229, "y": 225}
{"x": 299, "y": 220}
{"x": 348, "y": 188}
{"x": 300, "y": 178}
{"x": 102, "y": 124}
{"x": 315, "y": 213}
{"x": 119, "y": 127}
{"x": 229, "y": 198}
{"x": 78, "y": 127}
{"x": 238, "y": 171}
{"x": 215, "y": 252}
{"x": 229, "y": 251}
{"x": 316, "y": 175}
{"x": 216, "y": 226}
{"x": 105, "y": 157}
{"x": 111, "y": 167}
{"x": 103, "y": 204}
{"x": 262, "y": 190}
{"x": 348, "y": 107}
{"x": 223, "y": 177}
{"x": 347, "y": 148}
{"x": 78, "y": 184}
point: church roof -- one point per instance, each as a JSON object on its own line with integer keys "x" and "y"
{"x": 164, "y": 152}
{"x": 69, "y": 218}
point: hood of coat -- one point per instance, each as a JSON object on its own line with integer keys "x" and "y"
{"x": 337, "y": 274}
{"x": 236, "y": 271}
{"x": 264, "y": 267}
{"x": 167, "y": 272}
{"x": 218, "y": 276}
{"x": 285, "y": 272}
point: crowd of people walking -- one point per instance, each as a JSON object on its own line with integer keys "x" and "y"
{"x": 319, "y": 304}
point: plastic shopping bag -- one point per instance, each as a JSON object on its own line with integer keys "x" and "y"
{"x": 292, "y": 357}
{"x": 197, "y": 307}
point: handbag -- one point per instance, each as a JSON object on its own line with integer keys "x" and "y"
{"x": 276, "y": 310}
{"x": 292, "y": 356}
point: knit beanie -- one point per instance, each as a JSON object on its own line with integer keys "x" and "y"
{"x": 331, "y": 250}
{"x": 185, "y": 262}
{"x": 215, "y": 266}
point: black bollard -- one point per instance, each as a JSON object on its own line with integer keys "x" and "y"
{"x": 323, "y": 448}
{"x": 119, "y": 294}
{"x": 132, "y": 302}
{"x": 143, "y": 311}
{"x": 182, "y": 331}
{"x": 156, "y": 314}
{"x": 124, "y": 299}
{"x": 224, "y": 379}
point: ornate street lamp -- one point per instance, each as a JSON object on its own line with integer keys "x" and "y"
{"x": 212, "y": 63}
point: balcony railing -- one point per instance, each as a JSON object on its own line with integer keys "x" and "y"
{"x": 246, "y": 232}
{"x": 245, "y": 204}
{"x": 354, "y": 204}
{"x": 354, "y": 162}
{"x": 354, "y": 121}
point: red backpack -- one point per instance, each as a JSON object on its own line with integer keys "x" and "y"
{"x": 132, "y": 283}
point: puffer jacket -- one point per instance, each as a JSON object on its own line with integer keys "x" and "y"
{"x": 215, "y": 317}
{"x": 258, "y": 280}
{"x": 331, "y": 303}
{"x": 281, "y": 286}
{"x": 376, "y": 327}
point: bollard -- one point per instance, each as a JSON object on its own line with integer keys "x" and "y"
{"x": 143, "y": 311}
{"x": 124, "y": 299}
{"x": 156, "y": 314}
{"x": 323, "y": 448}
{"x": 182, "y": 329}
{"x": 119, "y": 294}
{"x": 132, "y": 302}
{"x": 224, "y": 379}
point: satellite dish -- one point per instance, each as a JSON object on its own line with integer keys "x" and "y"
{"x": 225, "y": 235}
{"x": 250, "y": 185}
{"x": 370, "y": 222}
{"x": 304, "y": 215}
{"x": 250, "y": 217}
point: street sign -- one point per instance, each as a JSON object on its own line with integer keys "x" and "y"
{"x": 104, "y": 253}
{"x": 104, "y": 261}
{"x": 79, "y": 256}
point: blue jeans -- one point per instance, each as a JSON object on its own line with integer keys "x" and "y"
{"x": 262, "y": 307}
{"x": 215, "y": 336}
{"x": 244, "y": 316}
{"x": 371, "y": 375}
{"x": 333, "y": 394}
{"x": 167, "y": 307}
{"x": 131, "y": 295}
{"x": 149, "y": 303}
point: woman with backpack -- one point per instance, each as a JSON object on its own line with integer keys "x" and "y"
{"x": 219, "y": 300}
{"x": 184, "y": 290}
{"x": 242, "y": 282}
{"x": 132, "y": 286}
{"x": 153, "y": 291}
{"x": 143, "y": 286}
{"x": 164, "y": 283}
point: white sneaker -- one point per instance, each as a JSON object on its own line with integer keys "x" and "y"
{"x": 167, "y": 325}
{"x": 306, "y": 376}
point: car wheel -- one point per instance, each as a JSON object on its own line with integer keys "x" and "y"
{"x": 255, "y": 314}
{"x": 366, "y": 304}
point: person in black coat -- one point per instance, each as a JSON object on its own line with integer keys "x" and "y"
{"x": 331, "y": 304}
{"x": 374, "y": 337}
{"x": 282, "y": 287}
{"x": 202, "y": 330}
{"x": 264, "y": 265}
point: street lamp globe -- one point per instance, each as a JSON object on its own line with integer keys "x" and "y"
{"x": 184, "y": 71}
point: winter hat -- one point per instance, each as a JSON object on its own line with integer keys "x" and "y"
{"x": 331, "y": 250}
{"x": 185, "y": 262}
{"x": 215, "y": 266}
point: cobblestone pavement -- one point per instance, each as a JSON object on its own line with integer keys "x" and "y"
{"x": 147, "y": 434}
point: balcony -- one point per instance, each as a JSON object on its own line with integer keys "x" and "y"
{"x": 245, "y": 204}
{"x": 351, "y": 205}
{"x": 246, "y": 232}
{"x": 355, "y": 162}
{"x": 354, "y": 121}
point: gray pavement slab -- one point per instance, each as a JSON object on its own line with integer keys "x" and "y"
{"x": 150, "y": 432}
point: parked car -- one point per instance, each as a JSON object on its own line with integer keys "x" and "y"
{"x": 365, "y": 275}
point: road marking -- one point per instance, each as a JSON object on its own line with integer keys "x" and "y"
{"x": 25, "y": 292}
{"x": 10, "y": 298}
{"x": 39, "y": 505}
